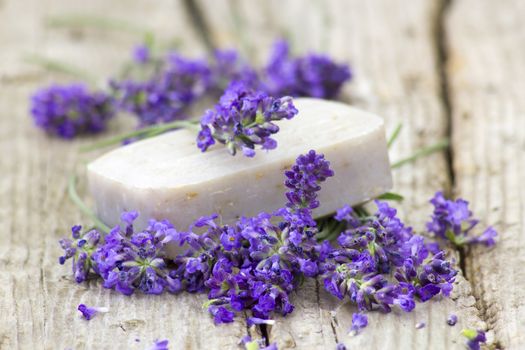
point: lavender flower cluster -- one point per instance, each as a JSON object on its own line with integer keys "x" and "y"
{"x": 453, "y": 221}
{"x": 164, "y": 96}
{"x": 254, "y": 264}
{"x": 244, "y": 118}
{"x": 163, "y": 89}
{"x": 68, "y": 111}
{"x": 312, "y": 75}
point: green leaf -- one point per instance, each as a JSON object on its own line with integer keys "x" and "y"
{"x": 423, "y": 152}
{"x": 391, "y": 196}
{"x": 469, "y": 333}
{"x": 394, "y": 135}
{"x": 252, "y": 345}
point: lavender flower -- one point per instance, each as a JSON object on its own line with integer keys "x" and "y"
{"x": 243, "y": 119}
{"x": 474, "y": 338}
{"x": 304, "y": 178}
{"x": 311, "y": 75}
{"x": 359, "y": 321}
{"x": 453, "y": 220}
{"x": 80, "y": 249}
{"x": 141, "y": 54}
{"x": 159, "y": 345}
{"x": 221, "y": 314}
{"x": 89, "y": 312}
{"x": 71, "y": 110}
{"x": 131, "y": 260}
{"x": 166, "y": 93}
{"x": 420, "y": 325}
{"x": 340, "y": 346}
{"x": 431, "y": 277}
{"x": 452, "y": 320}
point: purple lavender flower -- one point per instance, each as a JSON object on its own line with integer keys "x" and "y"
{"x": 244, "y": 118}
{"x": 359, "y": 321}
{"x": 131, "y": 260}
{"x": 430, "y": 277}
{"x": 141, "y": 54}
{"x": 312, "y": 75}
{"x": 159, "y": 345}
{"x": 303, "y": 180}
{"x": 221, "y": 314}
{"x": 420, "y": 325}
{"x": 474, "y": 338}
{"x": 340, "y": 346}
{"x": 89, "y": 312}
{"x": 71, "y": 110}
{"x": 80, "y": 249}
{"x": 452, "y": 220}
{"x": 452, "y": 320}
{"x": 166, "y": 93}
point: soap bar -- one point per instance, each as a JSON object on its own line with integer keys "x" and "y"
{"x": 168, "y": 177}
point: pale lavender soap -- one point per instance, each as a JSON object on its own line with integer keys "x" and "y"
{"x": 167, "y": 177}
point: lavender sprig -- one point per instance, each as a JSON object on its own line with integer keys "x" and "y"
{"x": 67, "y": 111}
{"x": 243, "y": 119}
{"x": 312, "y": 75}
{"x": 453, "y": 221}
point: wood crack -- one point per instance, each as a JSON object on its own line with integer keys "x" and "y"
{"x": 442, "y": 47}
{"x": 200, "y": 24}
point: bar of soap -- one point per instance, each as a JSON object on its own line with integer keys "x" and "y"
{"x": 167, "y": 177}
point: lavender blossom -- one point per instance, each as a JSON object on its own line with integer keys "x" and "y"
{"x": 304, "y": 179}
{"x": 141, "y": 54}
{"x": 89, "y": 312}
{"x": 312, "y": 75}
{"x": 359, "y": 321}
{"x": 452, "y": 220}
{"x": 165, "y": 94}
{"x": 80, "y": 249}
{"x": 159, "y": 345}
{"x": 131, "y": 260}
{"x": 452, "y": 320}
{"x": 243, "y": 119}
{"x": 67, "y": 111}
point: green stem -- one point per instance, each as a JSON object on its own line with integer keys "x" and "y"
{"x": 72, "y": 191}
{"x": 58, "y": 66}
{"x": 80, "y": 20}
{"x": 142, "y": 133}
{"x": 438, "y": 146}
{"x": 394, "y": 135}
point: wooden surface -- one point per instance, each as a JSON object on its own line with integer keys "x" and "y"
{"x": 486, "y": 70}
{"x": 442, "y": 68}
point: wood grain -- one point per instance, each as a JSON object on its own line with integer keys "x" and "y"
{"x": 393, "y": 50}
{"x": 486, "y": 54}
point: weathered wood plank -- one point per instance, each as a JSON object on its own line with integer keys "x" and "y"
{"x": 38, "y": 299}
{"x": 486, "y": 42}
{"x": 393, "y": 50}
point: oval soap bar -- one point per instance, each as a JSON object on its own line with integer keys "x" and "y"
{"x": 167, "y": 177}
